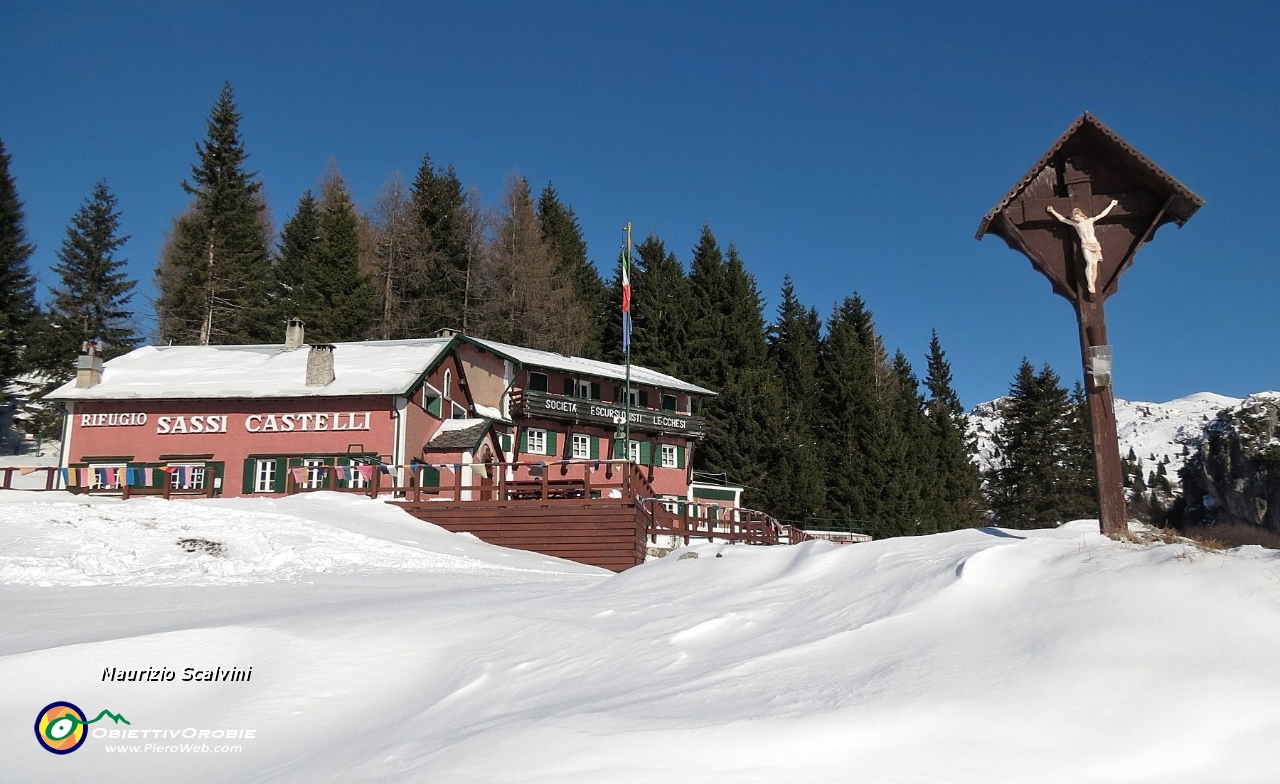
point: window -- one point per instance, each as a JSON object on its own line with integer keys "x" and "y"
{"x": 633, "y": 451}
{"x": 315, "y": 473}
{"x": 355, "y": 478}
{"x": 584, "y": 389}
{"x": 538, "y": 382}
{"x": 581, "y": 446}
{"x": 448, "y": 384}
{"x": 669, "y": 403}
{"x": 639, "y": 398}
{"x": 107, "y": 477}
{"x": 264, "y": 476}
{"x": 186, "y": 477}
{"x": 537, "y": 441}
{"x": 669, "y": 457}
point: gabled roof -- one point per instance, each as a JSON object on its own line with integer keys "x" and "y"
{"x": 377, "y": 367}
{"x": 533, "y": 358}
{"x": 458, "y": 434}
{"x": 1092, "y": 131}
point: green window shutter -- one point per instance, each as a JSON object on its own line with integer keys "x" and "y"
{"x": 250, "y": 472}
{"x": 595, "y": 391}
{"x": 506, "y": 444}
{"x": 433, "y": 407}
{"x": 595, "y": 448}
{"x": 619, "y": 449}
{"x": 524, "y": 440}
{"x": 551, "y": 442}
{"x": 679, "y": 457}
{"x": 644, "y": 398}
{"x": 646, "y": 453}
{"x": 283, "y": 466}
{"x": 345, "y": 462}
{"x": 568, "y": 387}
{"x": 430, "y": 477}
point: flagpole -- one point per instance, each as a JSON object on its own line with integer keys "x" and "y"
{"x": 626, "y": 327}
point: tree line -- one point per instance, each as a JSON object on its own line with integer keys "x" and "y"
{"x": 815, "y": 418}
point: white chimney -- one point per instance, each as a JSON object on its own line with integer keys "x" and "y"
{"x": 88, "y": 366}
{"x": 320, "y": 365}
{"x": 294, "y": 333}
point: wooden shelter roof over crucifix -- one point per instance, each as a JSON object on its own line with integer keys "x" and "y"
{"x": 1087, "y": 168}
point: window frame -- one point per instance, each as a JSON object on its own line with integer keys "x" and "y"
{"x": 669, "y": 449}
{"x": 193, "y": 470}
{"x": 540, "y": 435}
{"x": 258, "y": 473}
{"x": 535, "y": 386}
{"x": 583, "y": 440}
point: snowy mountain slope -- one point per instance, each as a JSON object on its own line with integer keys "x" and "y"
{"x": 974, "y": 656}
{"x": 1154, "y": 431}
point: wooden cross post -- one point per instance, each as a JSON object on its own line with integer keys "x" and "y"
{"x": 1121, "y": 198}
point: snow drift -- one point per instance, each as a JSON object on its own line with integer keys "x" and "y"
{"x": 981, "y": 655}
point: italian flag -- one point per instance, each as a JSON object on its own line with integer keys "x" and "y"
{"x": 626, "y": 301}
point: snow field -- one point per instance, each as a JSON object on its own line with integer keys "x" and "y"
{"x": 982, "y": 655}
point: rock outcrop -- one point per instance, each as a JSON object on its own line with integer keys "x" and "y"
{"x": 1234, "y": 475}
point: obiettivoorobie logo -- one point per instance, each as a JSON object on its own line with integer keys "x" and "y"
{"x": 60, "y": 726}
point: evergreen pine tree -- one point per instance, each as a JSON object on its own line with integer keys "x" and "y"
{"x": 728, "y": 354}
{"x": 1078, "y": 488}
{"x": 298, "y": 250}
{"x": 339, "y": 303}
{"x": 796, "y": 488}
{"x": 447, "y": 287}
{"x": 91, "y": 298}
{"x": 953, "y": 496}
{"x": 18, "y": 310}
{"x": 856, "y": 419}
{"x": 568, "y": 249}
{"x": 215, "y": 280}
{"x": 1041, "y": 478}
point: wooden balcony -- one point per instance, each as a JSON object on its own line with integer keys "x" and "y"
{"x": 543, "y": 405}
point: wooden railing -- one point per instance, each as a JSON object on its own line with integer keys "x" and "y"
{"x": 597, "y": 479}
{"x": 50, "y": 478}
{"x": 701, "y": 520}
{"x": 52, "y": 481}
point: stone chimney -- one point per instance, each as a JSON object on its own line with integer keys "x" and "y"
{"x": 320, "y": 365}
{"x": 89, "y": 366}
{"x": 294, "y": 334}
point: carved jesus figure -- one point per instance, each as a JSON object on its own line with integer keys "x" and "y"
{"x": 1089, "y": 244}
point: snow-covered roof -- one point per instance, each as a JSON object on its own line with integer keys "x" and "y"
{"x": 376, "y": 367}
{"x": 589, "y": 367}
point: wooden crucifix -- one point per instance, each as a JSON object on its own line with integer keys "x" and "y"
{"x": 1079, "y": 215}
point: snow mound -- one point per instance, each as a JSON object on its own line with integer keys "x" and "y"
{"x": 97, "y": 541}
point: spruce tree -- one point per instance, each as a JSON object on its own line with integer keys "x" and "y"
{"x": 661, "y": 310}
{"x": 91, "y": 298}
{"x": 297, "y": 258}
{"x": 447, "y": 287}
{"x": 339, "y": 303}
{"x": 1041, "y": 478}
{"x": 18, "y": 310}
{"x": 728, "y": 354}
{"x": 568, "y": 249}
{"x": 954, "y": 495}
{"x": 855, "y": 418}
{"x": 796, "y": 488}
{"x": 1078, "y": 488}
{"x": 215, "y": 280}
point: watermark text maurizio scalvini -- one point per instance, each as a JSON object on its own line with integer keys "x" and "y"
{"x": 164, "y": 675}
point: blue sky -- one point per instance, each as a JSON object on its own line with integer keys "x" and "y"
{"x": 854, "y": 146}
